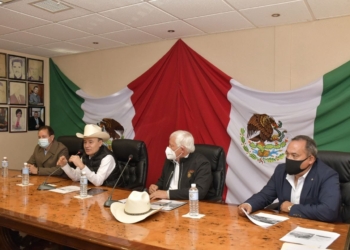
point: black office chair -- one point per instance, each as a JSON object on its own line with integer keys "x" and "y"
{"x": 217, "y": 159}
{"x": 340, "y": 162}
{"x": 135, "y": 175}
{"x": 73, "y": 143}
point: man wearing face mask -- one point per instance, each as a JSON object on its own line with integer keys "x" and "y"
{"x": 182, "y": 167}
{"x": 305, "y": 186}
{"x": 46, "y": 153}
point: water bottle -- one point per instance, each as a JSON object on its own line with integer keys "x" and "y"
{"x": 83, "y": 184}
{"x": 25, "y": 175}
{"x": 5, "y": 167}
{"x": 194, "y": 206}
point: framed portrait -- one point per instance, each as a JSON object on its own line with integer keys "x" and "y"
{"x": 18, "y": 93}
{"x": 3, "y": 65}
{"x": 3, "y": 92}
{"x": 36, "y": 118}
{"x": 35, "y": 94}
{"x": 4, "y": 117}
{"x": 18, "y": 119}
{"x": 17, "y": 67}
{"x": 35, "y": 72}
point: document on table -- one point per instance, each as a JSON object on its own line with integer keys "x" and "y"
{"x": 66, "y": 189}
{"x": 291, "y": 246}
{"x": 310, "y": 237}
{"x": 167, "y": 205}
{"x": 265, "y": 220}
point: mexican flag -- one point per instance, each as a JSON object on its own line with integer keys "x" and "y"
{"x": 185, "y": 91}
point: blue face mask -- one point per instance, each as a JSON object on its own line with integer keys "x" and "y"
{"x": 44, "y": 143}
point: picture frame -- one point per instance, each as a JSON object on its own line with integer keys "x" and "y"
{"x": 3, "y": 92}
{"x": 17, "y": 67}
{"x": 35, "y": 72}
{"x": 17, "y": 93}
{"x": 36, "y": 118}
{"x": 3, "y": 65}
{"x": 18, "y": 119}
{"x": 35, "y": 94}
{"x": 4, "y": 117}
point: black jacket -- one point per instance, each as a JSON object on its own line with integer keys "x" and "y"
{"x": 193, "y": 169}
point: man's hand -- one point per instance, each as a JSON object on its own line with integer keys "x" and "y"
{"x": 247, "y": 207}
{"x": 285, "y": 205}
{"x": 32, "y": 169}
{"x": 77, "y": 161}
{"x": 159, "y": 194}
{"x": 62, "y": 161}
{"x": 152, "y": 188}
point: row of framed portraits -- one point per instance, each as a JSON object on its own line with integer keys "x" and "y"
{"x": 21, "y": 119}
{"x": 19, "y": 93}
{"x": 21, "y": 68}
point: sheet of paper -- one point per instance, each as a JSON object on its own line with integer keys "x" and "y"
{"x": 265, "y": 220}
{"x": 65, "y": 190}
{"x": 167, "y": 205}
{"x": 291, "y": 246}
{"x": 310, "y": 237}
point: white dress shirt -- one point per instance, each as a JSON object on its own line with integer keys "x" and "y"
{"x": 175, "y": 180}
{"x": 106, "y": 167}
{"x": 296, "y": 190}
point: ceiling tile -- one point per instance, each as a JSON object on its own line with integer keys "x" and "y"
{"x": 25, "y": 7}
{"x": 65, "y": 48}
{"x": 139, "y": 15}
{"x": 292, "y": 12}
{"x": 12, "y": 19}
{"x": 245, "y": 4}
{"x": 40, "y": 52}
{"x": 59, "y": 32}
{"x": 11, "y": 45}
{"x": 27, "y": 38}
{"x": 181, "y": 29}
{"x": 132, "y": 36}
{"x": 94, "y": 24}
{"x": 194, "y": 8}
{"x": 103, "y": 43}
{"x": 102, "y": 5}
{"x": 329, "y": 8}
{"x": 6, "y": 30}
{"x": 220, "y": 22}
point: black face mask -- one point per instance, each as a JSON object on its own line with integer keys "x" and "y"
{"x": 293, "y": 167}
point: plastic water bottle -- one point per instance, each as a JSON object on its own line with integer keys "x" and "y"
{"x": 194, "y": 206}
{"x": 83, "y": 184}
{"x": 25, "y": 175}
{"x": 5, "y": 167}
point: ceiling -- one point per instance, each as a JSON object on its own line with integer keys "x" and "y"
{"x": 77, "y": 26}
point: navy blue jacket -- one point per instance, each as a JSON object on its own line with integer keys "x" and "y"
{"x": 320, "y": 197}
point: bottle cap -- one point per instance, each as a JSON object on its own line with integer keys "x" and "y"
{"x": 193, "y": 185}
{"x": 83, "y": 172}
{"x": 5, "y": 158}
{"x": 25, "y": 164}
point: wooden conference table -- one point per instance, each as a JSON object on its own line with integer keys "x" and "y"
{"x": 87, "y": 224}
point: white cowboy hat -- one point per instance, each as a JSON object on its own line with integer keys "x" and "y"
{"x": 92, "y": 130}
{"x": 136, "y": 208}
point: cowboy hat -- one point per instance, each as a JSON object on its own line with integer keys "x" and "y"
{"x": 92, "y": 130}
{"x": 136, "y": 208}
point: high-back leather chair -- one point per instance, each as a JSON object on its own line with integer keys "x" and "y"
{"x": 340, "y": 162}
{"x": 135, "y": 175}
{"x": 73, "y": 143}
{"x": 217, "y": 159}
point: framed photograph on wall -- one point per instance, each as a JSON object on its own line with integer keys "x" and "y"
{"x": 36, "y": 118}
{"x": 18, "y": 92}
{"x": 35, "y": 94}
{"x": 35, "y": 72}
{"x": 3, "y": 65}
{"x": 3, "y": 92}
{"x": 18, "y": 119}
{"x": 17, "y": 67}
{"x": 4, "y": 117}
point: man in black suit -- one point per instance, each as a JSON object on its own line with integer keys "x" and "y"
{"x": 35, "y": 122}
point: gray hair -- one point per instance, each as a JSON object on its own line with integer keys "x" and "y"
{"x": 310, "y": 146}
{"x": 184, "y": 139}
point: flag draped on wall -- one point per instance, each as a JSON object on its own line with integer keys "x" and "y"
{"x": 184, "y": 91}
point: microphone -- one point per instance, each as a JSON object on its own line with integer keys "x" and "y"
{"x": 44, "y": 185}
{"x": 109, "y": 201}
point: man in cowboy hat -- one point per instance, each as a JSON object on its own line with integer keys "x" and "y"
{"x": 97, "y": 161}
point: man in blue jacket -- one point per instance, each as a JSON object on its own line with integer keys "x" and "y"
{"x": 305, "y": 186}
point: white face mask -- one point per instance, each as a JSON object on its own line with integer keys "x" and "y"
{"x": 170, "y": 154}
{"x": 44, "y": 143}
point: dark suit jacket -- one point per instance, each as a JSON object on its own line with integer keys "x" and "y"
{"x": 319, "y": 199}
{"x": 32, "y": 123}
{"x": 46, "y": 164}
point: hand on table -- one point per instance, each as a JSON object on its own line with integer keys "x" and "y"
{"x": 152, "y": 188}
{"x": 247, "y": 207}
{"x": 159, "y": 194}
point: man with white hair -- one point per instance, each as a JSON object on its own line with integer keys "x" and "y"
{"x": 182, "y": 167}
